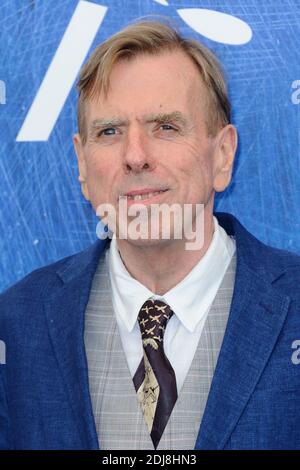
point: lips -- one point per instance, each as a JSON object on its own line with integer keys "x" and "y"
{"x": 149, "y": 189}
{"x": 141, "y": 197}
{"x": 142, "y": 194}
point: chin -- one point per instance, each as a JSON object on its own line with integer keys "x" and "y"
{"x": 149, "y": 235}
{"x": 142, "y": 243}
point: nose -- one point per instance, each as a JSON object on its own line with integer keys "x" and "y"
{"x": 137, "y": 153}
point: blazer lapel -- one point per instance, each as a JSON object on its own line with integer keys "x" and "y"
{"x": 256, "y": 318}
{"x": 65, "y": 310}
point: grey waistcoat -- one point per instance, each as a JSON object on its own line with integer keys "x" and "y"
{"x": 118, "y": 418}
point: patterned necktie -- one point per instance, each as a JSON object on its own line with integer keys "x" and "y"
{"x": 155, "y": 380}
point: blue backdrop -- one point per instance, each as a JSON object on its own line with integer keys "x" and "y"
{"x": 43, "y": 216}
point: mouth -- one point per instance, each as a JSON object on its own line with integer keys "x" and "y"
{"x": 144, "y": 195}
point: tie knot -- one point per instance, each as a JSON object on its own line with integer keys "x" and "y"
{"x": 153, "y": 318}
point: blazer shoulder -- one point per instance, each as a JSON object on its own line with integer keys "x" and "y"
{"x": 253, "y": 250}
{"x": 281, "y": 267}
{"x": 42, "y": 281}
{"x": 282, "y": 258}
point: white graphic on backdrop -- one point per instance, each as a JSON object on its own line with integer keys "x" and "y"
{"x": 296, "y": 94}
{"x": 62, "y": 72}
{"x": 76, "y": 42}
{"x": 2, "y": 92}
{"x": 217, "y": 26}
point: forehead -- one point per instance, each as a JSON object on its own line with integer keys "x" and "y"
{"x": 151, "y": 83}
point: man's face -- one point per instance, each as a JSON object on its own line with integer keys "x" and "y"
{"x": 149, "y": 134}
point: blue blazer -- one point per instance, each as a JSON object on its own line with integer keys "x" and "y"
{"x": 254, "y": 400}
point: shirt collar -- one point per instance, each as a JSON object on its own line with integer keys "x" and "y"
{"x": 189, "y": 299}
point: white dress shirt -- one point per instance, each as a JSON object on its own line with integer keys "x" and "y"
{"x": 190, "y": 300}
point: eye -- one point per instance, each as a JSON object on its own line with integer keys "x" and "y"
{"x": 107, "y": 131}
{"x": 167, "y": 127}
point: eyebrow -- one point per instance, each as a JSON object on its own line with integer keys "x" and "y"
{"x": 106, "y": 122}
{"x": 174, "y": 116}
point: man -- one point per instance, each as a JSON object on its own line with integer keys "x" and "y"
{"x": 139, "y": 342}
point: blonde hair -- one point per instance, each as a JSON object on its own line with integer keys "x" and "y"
{"x": 153, "y": 37}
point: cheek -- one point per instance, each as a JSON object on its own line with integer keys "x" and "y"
{"x": 99, "y": 168}
{"x": 99, "y": 180}
{"x": 196, "y": 174}
{"x": 194, "y": 163}
{"x": 203, "y": 164}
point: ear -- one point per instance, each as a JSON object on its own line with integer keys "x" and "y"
{"x": 226, "y": 145}
{"x": 79, "y": 150}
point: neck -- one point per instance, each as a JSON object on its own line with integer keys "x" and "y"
{"x": 162, "y": 266}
